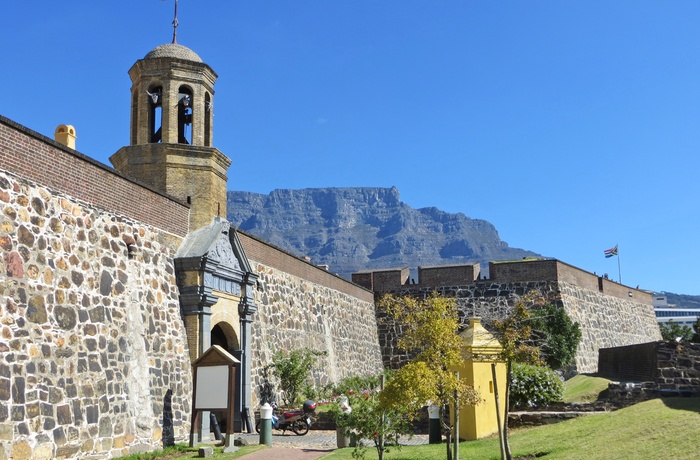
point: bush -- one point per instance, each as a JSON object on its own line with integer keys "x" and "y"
{"x": 293, "y": 369}
{"x": 534, "y": 386}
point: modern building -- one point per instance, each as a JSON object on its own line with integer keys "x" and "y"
{"x": 668, "y": 312}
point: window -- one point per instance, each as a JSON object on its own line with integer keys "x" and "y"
{"x": 208, "y": 113}
{"x": 184, "y": 115}
{"x": 155, "y": 115}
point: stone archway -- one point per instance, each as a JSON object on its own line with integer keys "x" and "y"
{"x": 216, "y": 285}
{"x": 224, "y": 335}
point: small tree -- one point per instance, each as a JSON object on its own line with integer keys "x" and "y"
{"x": 514, "y": 333}
{"x": 366, "y": 420}
{"x": 674, "y": 331}
{"x": 292, "y": 370}
{"x": 696, "y": 328}
{"x": 430, "y": 334}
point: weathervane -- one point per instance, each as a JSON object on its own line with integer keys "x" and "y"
{"x": 175, "y": 23}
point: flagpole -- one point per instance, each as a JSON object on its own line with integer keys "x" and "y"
{"x": 619, "y": 273}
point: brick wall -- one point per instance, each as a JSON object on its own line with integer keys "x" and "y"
{"x": 448, "y": 275}
{"x": 270, "y": 255}
{"x": 523, "y": 270}
{"x": 35, "y": 157}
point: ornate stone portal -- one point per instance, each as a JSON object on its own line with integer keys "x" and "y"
{"x": 216, "y": 291}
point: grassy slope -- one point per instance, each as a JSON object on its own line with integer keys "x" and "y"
{"x": 584, "y": 388}
{"x": 657, "y": 429}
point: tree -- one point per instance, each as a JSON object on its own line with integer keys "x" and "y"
{"x": 555, "y": 334}
{"x": 514, "y": 331}
{"x": 696, "y": 328}
{"x": 674, "y": 331}
{"x": 292, "y": 370}
{"x": 431, "y": 336}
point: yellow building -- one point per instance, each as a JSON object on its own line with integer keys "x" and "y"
{"x": 481, "y": 350}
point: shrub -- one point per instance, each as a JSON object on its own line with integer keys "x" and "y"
{"x": 293, "y": 369}
{"x": 534, "y": 386}
{"x": 677, "y": 332}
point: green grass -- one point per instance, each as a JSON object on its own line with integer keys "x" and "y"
{"x": 584, "y": 388}
{"x": 657, "y": 429}
{"x": 183, "y": 451}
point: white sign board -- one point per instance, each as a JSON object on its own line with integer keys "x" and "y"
{"x": 212, "y": 387}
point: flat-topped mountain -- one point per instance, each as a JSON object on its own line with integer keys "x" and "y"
{"x": 357, "y": 228}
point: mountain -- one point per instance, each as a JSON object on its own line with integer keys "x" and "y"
{"x": 352, "y": 229}
{"x": 682, "y": 300}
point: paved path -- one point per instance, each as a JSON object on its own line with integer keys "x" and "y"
{"x": 315, "y": 444}
{"x": 287, "y": 453}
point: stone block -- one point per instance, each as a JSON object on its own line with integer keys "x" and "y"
{"x": 119, "y": 442}
{"x": 43, "y": 452}
{"x": 205, "y": 452}
{"x": 21, "y": 450}
{"x": 6, "y": 431}
{"x": 66, "y": 452}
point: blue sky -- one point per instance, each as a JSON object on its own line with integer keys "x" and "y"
{"x": 571, "y": 126}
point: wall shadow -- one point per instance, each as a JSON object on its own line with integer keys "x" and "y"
{"x": 168, "y": 429}
{"x": 689, "y": 403}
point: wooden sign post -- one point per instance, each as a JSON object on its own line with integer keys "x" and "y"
{"x": 214, "y": 389}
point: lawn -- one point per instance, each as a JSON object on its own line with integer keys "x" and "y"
{"x": 659, "y": 429}
{"x": 584, "y": 388}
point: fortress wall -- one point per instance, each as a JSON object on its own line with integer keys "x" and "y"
{"x": 605, "y": 320}
{"x": 41, "y": 160}
{"x": 487, "y": 300}
{"x": 93, "y": 355}
{"x": 382, "y": 280}
{"x": 294, "y": 313}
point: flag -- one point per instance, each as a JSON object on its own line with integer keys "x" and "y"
{"x": 610, "y": 252}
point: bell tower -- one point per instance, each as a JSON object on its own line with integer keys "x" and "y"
{"x": 172, "y": 102}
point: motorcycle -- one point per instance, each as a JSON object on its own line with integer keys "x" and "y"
{"x": 299, "y": 421}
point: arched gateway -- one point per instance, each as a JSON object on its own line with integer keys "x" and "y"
{"x": 216, "y": 299}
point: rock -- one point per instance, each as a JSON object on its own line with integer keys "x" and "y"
{"x": 205, "y": 452}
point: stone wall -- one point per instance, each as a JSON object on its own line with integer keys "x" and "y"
{"x": 607, "y": 321}
{"x": 610, "y": 314}
{"x": 327, "y": 314}
{"x": 678, "y": 367}
{"x": 94, "y": 360}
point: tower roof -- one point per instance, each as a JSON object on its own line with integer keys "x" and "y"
{"x": 173, "y": 50}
